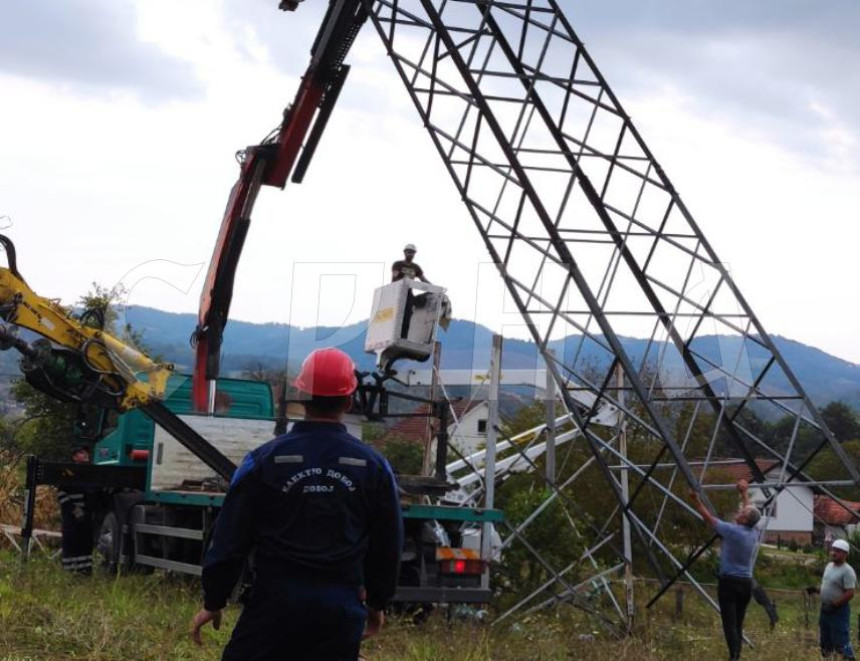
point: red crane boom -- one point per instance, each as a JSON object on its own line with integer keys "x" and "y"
{"x": 270, "y": 163}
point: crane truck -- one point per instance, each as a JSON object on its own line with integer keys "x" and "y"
{"x": 160, "y": 469}
{"x": 160, "y": 472}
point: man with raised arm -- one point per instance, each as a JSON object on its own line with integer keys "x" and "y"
{"x": 736, "y": 565}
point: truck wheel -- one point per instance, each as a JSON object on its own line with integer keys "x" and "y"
{"x": 108, "y": 544}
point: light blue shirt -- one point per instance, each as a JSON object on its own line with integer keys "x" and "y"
{"x": 736, "y": 558}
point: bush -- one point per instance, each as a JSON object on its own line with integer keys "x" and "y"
{"x": 47, "y": 510}
{"x": 559, "y": 543}
{"x": 854, "y": 553}
{"x": 405, "y": 457}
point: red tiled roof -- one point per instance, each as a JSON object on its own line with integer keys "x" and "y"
{"x": 415, "y": 428}
{"x": 719, "y": 472}
{"x": 831, "y": 512}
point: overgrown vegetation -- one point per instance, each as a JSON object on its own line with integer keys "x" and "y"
{"x": 405, "y": 457}
{"x": 47, "y": 615}
{"x": 47, "y": 510}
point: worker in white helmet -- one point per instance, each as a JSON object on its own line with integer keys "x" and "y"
{"x": 837, "y": 590}
{"x": 406, "y": 267}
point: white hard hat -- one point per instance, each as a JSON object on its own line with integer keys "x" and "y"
{"x": 841, "y": 545}
{"x": 410, "y": 246}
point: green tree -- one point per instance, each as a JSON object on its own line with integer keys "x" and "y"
{"x": 371, "y": 432}
{"x": 258, "y": 371}
{"x": 48, "y": 426}
{"x": 527, "y": 417}
{"x": 842, "y": 421}
{"x": 406, "y": 457}
{"x": 7, "y": 434}
{"x": 560, "y": 531}
{"x": 553, "y": 533}
{"x": 827, "y": 466}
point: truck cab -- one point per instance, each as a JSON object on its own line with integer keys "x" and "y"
{"x": 165, "y": 525}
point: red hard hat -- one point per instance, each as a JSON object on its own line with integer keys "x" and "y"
{"x": 327, "y": 373}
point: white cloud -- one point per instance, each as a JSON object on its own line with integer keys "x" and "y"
{"x": 90, "y": 47}
{"x": 97, "y": 184}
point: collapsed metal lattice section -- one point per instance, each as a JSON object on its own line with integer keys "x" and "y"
{"x": 596, "y": 246}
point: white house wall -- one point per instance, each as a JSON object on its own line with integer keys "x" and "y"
{"x": 465, "y": 436}
{"x": 794, "y": 509}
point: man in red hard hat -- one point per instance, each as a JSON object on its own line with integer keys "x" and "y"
{"x": 320, "y": 512}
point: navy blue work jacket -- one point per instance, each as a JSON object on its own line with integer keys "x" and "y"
{"x": 316, "y": 501}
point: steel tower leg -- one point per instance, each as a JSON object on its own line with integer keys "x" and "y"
{"x": 596, "y": 247}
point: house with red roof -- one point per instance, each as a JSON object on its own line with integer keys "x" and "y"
{"x": 467, "y": 429}
{"x": 835, "y": 519}
{"x": 791, "y": 514}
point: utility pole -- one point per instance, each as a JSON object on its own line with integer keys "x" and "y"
{"x": 625, "y": 496}
{"x": 490, "y": 459}
{"x": 550, "y": 420}
{"x": 432, "y": 423}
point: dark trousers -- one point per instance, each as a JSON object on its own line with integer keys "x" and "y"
{"x": 298, "y": 619}
{"x": 835, "y": 629}
{"x": 763, "y": 600}
{"x": 407, "y": 315}
{"x": 734, "y": 595}
{"x": 77, "y": 528}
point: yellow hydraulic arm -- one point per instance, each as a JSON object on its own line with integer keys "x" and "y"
{"x": 74, "y": 362}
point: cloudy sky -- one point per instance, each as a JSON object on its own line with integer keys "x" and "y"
{"x": 119, "y": 121}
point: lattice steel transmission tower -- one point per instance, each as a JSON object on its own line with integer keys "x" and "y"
{"x": 594, "y": 244}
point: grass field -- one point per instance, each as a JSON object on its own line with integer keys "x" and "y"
{"x": 47, "y": 615}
